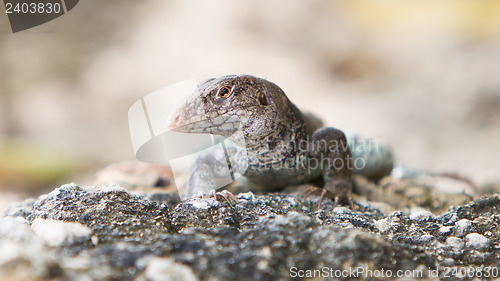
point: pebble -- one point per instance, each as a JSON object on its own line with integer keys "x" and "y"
{"x": 477, "y": 241}
{"x": 383, "y": 225}
{"x": 421, "y": 215}
{"x": 455, "y": 243}
{"x": 445, "y": 229}
{"x": 462, "y": 227}
{"x": 426, "y": 238}
{"x": 202, "y": 203}
{"x": 248, "y": 196}
{"x": 341, "y": 210}
{"x": 167, "y": 269}
{"x": 16, "y": 229}
{"x": 56, "y": 233}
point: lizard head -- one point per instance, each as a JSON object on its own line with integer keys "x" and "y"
{"x": 221, "y": 106}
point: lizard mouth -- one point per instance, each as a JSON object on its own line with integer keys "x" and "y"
{"x": 193, "y": 117}
{"x": 173, "y": 123}
{"x": 184, "y": 119}
{"x": 220, "y": 125}
{"x": 176, "y": 124}
{"x": 183, "y": 124}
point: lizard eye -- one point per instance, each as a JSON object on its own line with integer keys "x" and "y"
{"x": 224, "y": 92}
{"x": 262, "y": 98}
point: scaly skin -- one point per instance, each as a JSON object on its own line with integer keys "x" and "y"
{"x": 283, "y": 145}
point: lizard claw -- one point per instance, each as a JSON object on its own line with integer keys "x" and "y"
{"x": 224, "y": 195}
{"x": 337, "y": 198}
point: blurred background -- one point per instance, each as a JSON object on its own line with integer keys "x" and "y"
{"x": 422, "y": 75}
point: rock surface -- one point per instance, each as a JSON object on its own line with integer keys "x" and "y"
{"x": 110, "y": 233}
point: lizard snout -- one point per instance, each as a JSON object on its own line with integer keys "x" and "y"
{"x": 173, "y": 122}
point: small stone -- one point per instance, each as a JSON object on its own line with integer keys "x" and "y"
{"x": 448, "y": 262}
{"x": 24, "y": 255}
{"x": 341, "y": 210}
{"x": 291, "y": 218}
{"x": 455, "y": 242}
{"x": 453, "y": 219}
{"x": 462, "y": 227}
{"x": 202, "y": 203}
{"x": 445, "y": 230}
{"x": 420, "y": 215}
{"x": 383, "y": 225}
{"x": 426, "y": 238}
{"x": 79, "y": 263}
{"x": 56, "y": 233}
{"x": 477, "y": 241}
{"x": 262, "y": 265}
{"x": 95, "y": 240}
{"x": 166, "y": 269}
{"x": 16, "y": 229}
{"x": 20, "y": 209}
{"x": 248, "y": 196}
{"x": 266, "y": 252}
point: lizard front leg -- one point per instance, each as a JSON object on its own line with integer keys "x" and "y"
{"x": 328, "y": 146}
{"x": 209, "y": 172}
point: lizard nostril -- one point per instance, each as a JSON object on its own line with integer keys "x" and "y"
{"x": 173, "y": 121}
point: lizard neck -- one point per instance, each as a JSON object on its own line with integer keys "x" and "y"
{"x": 288, "y": 127}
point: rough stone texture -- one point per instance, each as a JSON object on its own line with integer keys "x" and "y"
{"x": 110, "y": 233}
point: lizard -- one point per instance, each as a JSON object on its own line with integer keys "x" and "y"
{"x": 283, "y": 145}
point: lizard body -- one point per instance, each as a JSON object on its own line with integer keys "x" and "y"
{"x": 283, "y": 146}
